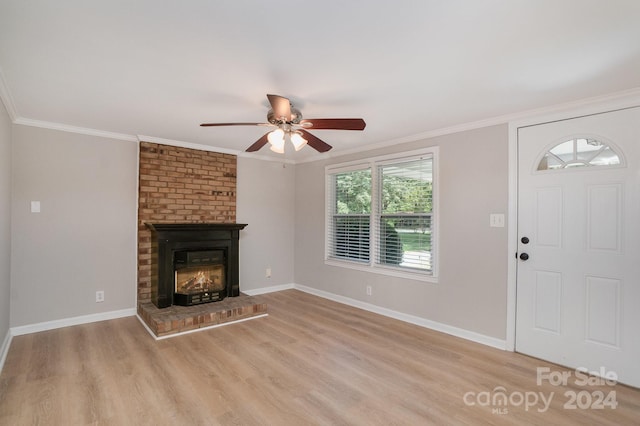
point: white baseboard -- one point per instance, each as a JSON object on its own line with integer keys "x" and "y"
{"x": 422, "y": 322}
{"x": 272, "y": 289}
{"x": 4, "y": 350}
{"x": 412, "y": 319}
{"x": 66, "y": 322}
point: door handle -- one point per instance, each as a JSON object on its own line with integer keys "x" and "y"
{"x": 524, "y": 256}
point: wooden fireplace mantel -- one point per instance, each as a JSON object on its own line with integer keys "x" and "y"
{"x": 199, "y": 227}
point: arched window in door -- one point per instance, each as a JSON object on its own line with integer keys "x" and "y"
{"x": 579, "y": 152}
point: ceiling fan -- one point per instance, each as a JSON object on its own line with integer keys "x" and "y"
{"x": 288, "y": 121}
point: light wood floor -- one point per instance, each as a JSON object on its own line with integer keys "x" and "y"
{"x": 311, "y": 361}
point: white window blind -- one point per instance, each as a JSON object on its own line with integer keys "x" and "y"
{"x": 349, "y": 215}
{"x": 404, "y": 214}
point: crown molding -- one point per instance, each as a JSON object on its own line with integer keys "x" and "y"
{"x": 201, "y": 147}
{"x": 74, "y": 129}
{"x": 5, "y": 97}
{"x": 616, "y": 100}
{"x": 610, "y": 102}
{"x": 183, "y": 144}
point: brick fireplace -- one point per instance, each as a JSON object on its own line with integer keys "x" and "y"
{"x": 180, "y": 185}
{"x": 188, "y": 187}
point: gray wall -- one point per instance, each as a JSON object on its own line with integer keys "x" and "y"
{"x": 472, "y": 287}
{"x": 5, "y": 221}
{"x": 84, "y": 239}
{"x": 265, "y": 201}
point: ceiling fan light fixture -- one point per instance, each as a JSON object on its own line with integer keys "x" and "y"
{"x": 276, "y": 139}
{"x": 277, "y": 148}
{"x": 288, "y": 122}
{"x": 298, "y": 141}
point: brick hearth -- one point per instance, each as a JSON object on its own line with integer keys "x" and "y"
{"x": 177, "y": 319}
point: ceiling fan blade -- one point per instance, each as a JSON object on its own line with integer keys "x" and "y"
{"x": 259, "y": 143}
{"x": 334, "y": 123}
{"x": 233, "y": 124}
{"x": 315, "y": 143}
{"x": 281, "y": 107}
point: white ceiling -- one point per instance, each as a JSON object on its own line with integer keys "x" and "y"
{"x": 161, "y": 67}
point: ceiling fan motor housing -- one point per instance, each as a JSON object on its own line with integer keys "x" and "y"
{"x": 296, "y": 116}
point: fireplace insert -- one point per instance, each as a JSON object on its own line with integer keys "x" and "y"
{"x": 194, "y": 263}
{"x": 199, "y": 277}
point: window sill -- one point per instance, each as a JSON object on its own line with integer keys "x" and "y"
{"x": 382, "y": 270}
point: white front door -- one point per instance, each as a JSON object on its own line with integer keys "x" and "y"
{"x": 578, "y": 292}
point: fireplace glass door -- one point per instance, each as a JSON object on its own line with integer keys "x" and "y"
{"x": 199, "y": 277}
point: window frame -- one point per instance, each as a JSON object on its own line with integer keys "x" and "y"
{"x": 373, "y": 164}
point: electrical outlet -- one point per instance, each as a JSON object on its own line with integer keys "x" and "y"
{"x": 99, "y": 296}
{"x": 368, "y": 290}
{"x": 268, "y": 273}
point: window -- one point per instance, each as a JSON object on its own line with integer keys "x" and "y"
{"x": 404, "y": 215}
{"x": 579, "y": 152}
{"x": 352, "y": 215}
{"x": 380, "y": 214}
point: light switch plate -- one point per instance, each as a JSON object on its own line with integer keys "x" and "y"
{"x": 496, "y": 220}
{"x": 35, "y": 207}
